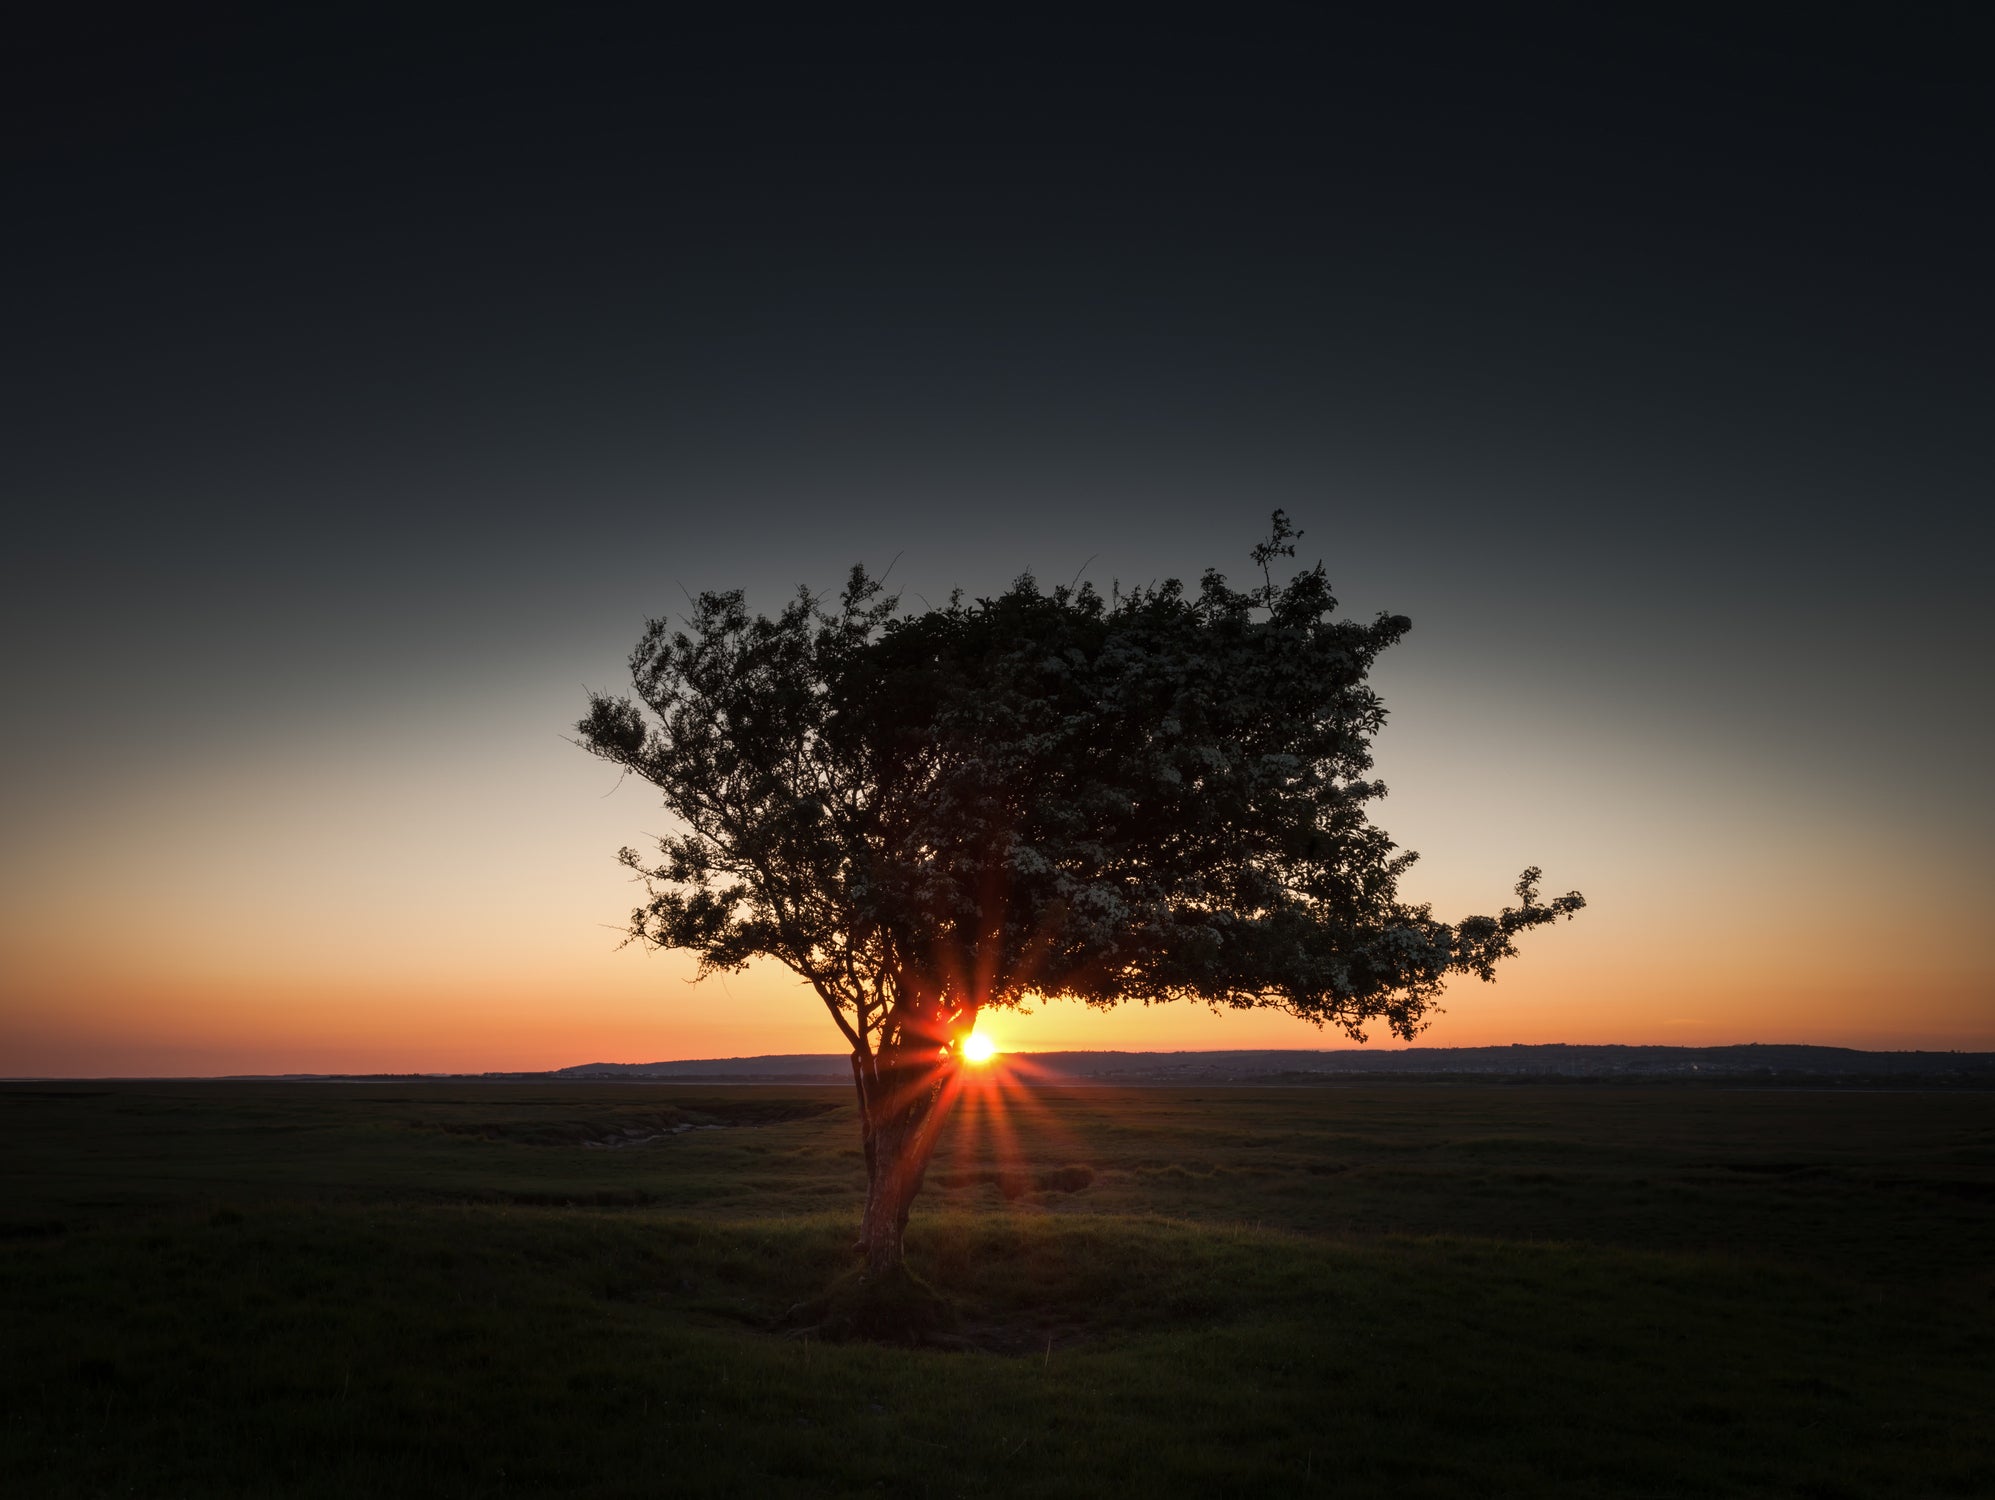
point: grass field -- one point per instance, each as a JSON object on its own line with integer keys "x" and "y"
{"x": 462, "y": 1289}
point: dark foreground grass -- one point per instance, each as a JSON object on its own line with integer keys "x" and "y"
{"x": 342, "y": 1290}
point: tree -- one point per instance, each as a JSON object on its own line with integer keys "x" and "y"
{"x": 1155, "y": 795}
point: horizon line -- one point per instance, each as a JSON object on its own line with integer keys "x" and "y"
{"x": 841, "y": 1057}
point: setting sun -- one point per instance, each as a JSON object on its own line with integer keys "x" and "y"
{"x": 978, "y": 1048}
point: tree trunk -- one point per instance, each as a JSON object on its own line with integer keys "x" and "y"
{"x": 899, "y": 1115}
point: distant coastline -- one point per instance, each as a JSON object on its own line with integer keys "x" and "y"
{"x": 1784, "y": 1064}
{"x": 1519, "y": 1061}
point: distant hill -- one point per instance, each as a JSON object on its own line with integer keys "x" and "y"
{"x": 1557, "y": 1060}
{"x": 787, "y": 1067}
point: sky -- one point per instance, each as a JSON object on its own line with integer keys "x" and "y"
{"x": 369, "y": 381}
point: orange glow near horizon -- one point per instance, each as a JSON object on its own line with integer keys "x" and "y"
{"x": 978, "y": 1049}
{"x": 380, "y": 955}
{"x": 105, "y": 1019}
{"x": 363, "y": 962}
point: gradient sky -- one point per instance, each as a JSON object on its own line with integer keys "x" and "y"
{"x": 367, "y": 386}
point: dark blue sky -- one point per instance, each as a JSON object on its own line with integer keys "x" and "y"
{"x": 369, "y": 382}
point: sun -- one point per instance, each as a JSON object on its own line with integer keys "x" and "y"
{"x": 978, "y": 1048}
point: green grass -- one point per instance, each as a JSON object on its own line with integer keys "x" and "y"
{"x": 443, "y": 1289}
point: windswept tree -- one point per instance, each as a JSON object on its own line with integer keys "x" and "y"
{"x": 1155, "y": 795}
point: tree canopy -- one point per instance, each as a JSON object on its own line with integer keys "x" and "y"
{"x": 1156, "y": 795}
